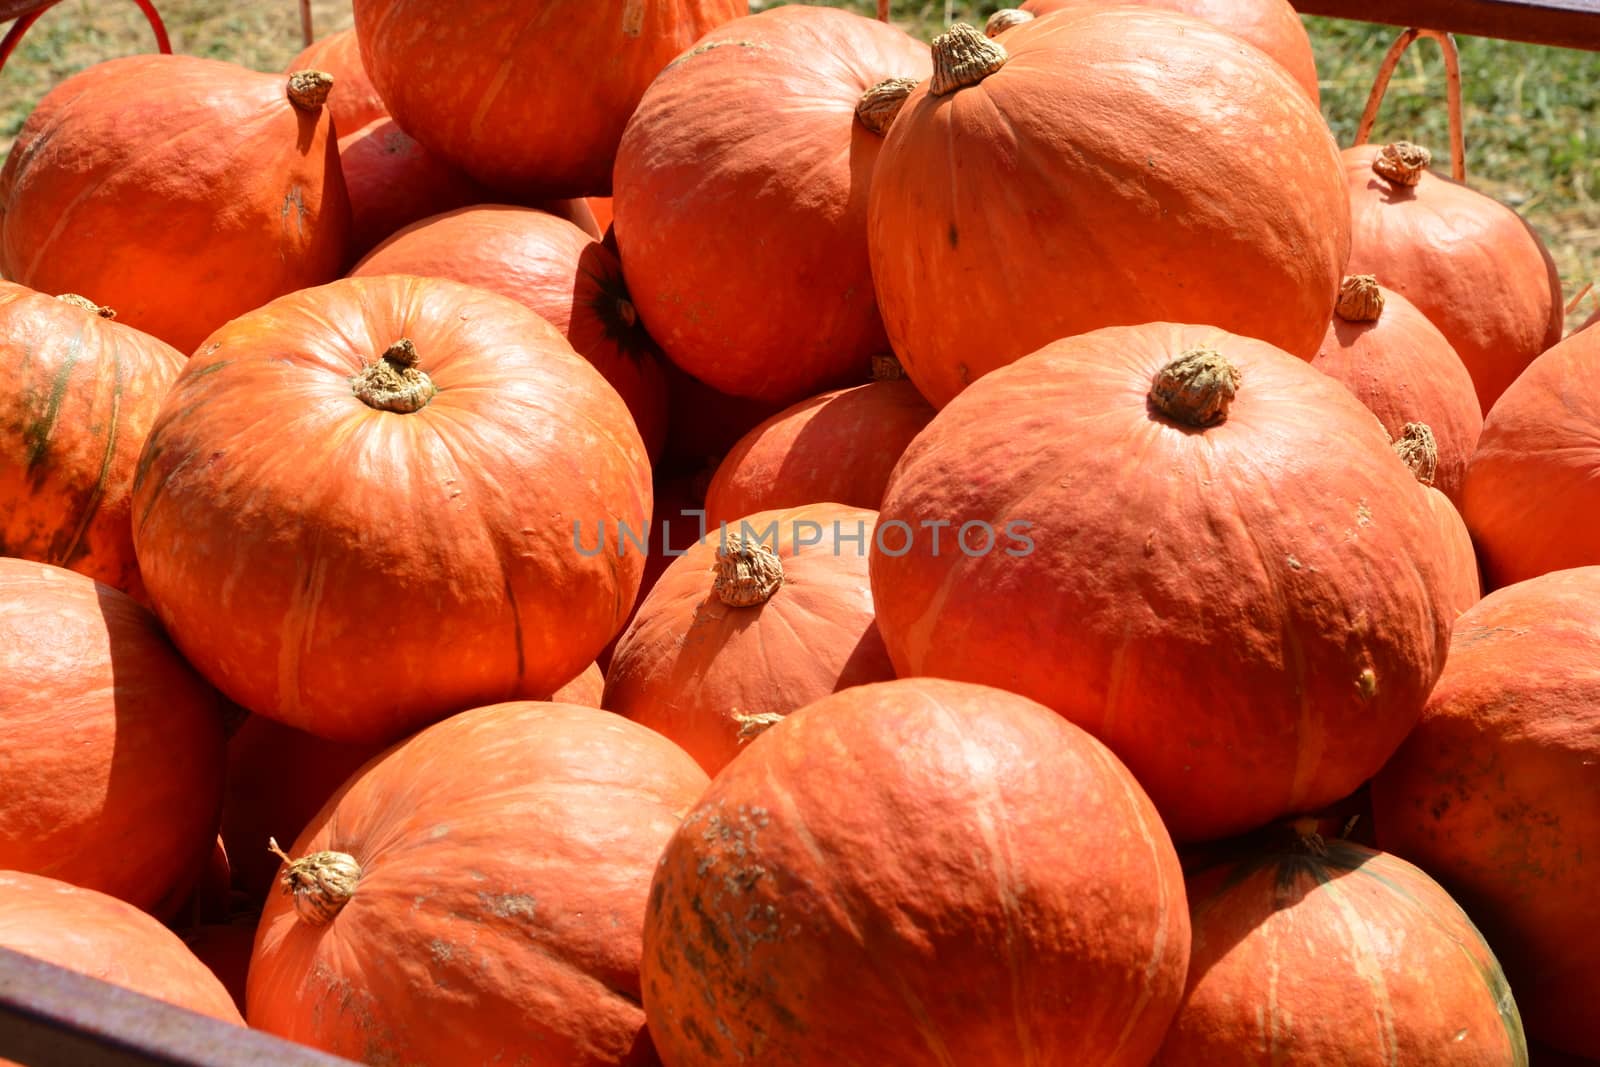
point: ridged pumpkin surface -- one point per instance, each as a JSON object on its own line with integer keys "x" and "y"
{"x": 354, "y": 102}
{"x": 1112, "y": 171}
{"x": 79, "y": 396}
{"x": 359, "y": 572}
{"x": 505, "y": 859}
{"x": 741, "y": 200}
{"x": 1497, "y": 792}
{"x": 1249, "y": 613}
{"x": 111, "y": 747}
{"x": 917, "y": 871}
{"x": 222, "y": 194}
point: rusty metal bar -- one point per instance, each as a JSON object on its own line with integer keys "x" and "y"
{"x": 1564, "y": 23}
{"x": 53, "y": 1017}
{"x": 1452, "y": 71}
{"x": 27, "y": 12}
{"x": 305, "y": 22}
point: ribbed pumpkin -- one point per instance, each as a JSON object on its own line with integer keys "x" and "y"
{"x": 558, "y": 270}
{"x": 1532, "y": 494}
{"x": 839, "y": 446}
{"x": 78, "y": 399}
{"x": 917, "y": 871}
{"x": 105, "y": 938}
{"x": 741, "y": 200}
{"x": 528, "y": 99}
{"x": 1497, "y": 792}
{"x": 1403, "y": 369}
{"x": 110, "y": 745}
{"x": 221, "y": 185}
{"x": 1113, "y": 171}
{"x": 1206, "y": 554}
{"x": 1270, "y": 25}
{"x": 477, "y": 895}
{"x": 359, "y": 510}
{"x": 355, "y": 103}
{"x": 756, "y": 620}
{"x": 1314, "y": 951}
{"x": 1468, "y": 262}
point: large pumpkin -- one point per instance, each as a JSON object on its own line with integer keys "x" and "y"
{"x": 1468, "y": 262}
{"x": 1497, "y": 792}
{"x": 1112, "y": 171}
{"x": 355, "y": 103}
{"x": 527, "y": 98}
{"x": 1313, "y": 951}
{"x": 1207, "y": 555}
{"x": 477, "y": 895}
{"x": 179, "y": 191}
{"x": 741, "y": 200}
{"x": 756, "y": 620}
{"x": 110, "y": 745}
{"x": 1397, "y": 363}
{"x": 79, "y": 397}
{"x": 558, "y": 270}
{"x": 917, "y": 871}
{"x": 1532, "y": 494}
{"x": 359, "y": 510}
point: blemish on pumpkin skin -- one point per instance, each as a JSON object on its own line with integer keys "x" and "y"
{"x": 295, "y": 201}
{"x": 955, "y": 236}
{"x": 633, "y": 17}
{"x": 509, "y": 905}
{"x": 1367, "y": 683}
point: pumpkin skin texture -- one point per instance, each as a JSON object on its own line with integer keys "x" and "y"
{"x": 558, "y": 270}
{"x": 1531, "y": 497}
{"x": 1249, "y": 614}
{"x": 1464, "y": 582}
{"x": 354, "y": 102}
{"x": 1328, "y": 952}
{"x": 80, "y": 396}
{"x": 394, "y": 181}
{"x": 1443, "y": 246}
{"x": 839, "y": 446}
{"x": 741, "y": 202}
{"x": 473, "y": 936}
{"x": 272, "y": 495}
{"x": 872, "y": 860}
{"x": 1403, "y": 369}
{"x": 216, "y": 185}
{"x": 144, "y": 760}
{"x": 703, "y": 671}
{"x": 1056, "y": 136}
{"x": 564, "y": 75}
{"x": 1497, "y": 792}
{"x": 105, "y": 938}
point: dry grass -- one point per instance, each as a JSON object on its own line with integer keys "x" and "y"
{"x": 1533, "y": 114}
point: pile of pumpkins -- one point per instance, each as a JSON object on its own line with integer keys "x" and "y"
{"x": 604, "y": 532}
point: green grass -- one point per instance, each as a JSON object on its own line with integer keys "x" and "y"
{"x": 1532, "y": 114}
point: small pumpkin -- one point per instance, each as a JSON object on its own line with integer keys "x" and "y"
{"x": 394, "y": 181}
{"x": 356, "y": 103}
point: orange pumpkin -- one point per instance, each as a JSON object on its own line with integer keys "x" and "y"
{"x": 526, "y": 99}
{"x": 225, "y": 948}
{"x": 917, "y": 871}
{"x": 221, "y": 185}
{"x": 394, "y": 181}
{"x": 110, "y": 745}
{"x": 384, "y": 438}
{"x": 477, "y": 895}
{"x": 704, "y": 423}
{"x": 355, "y": 103}
{"x": 676, "y": 524}
{"x": 741, "y": 200}
{"x": 1208, "y": 556}
{"x": 558, "y": 270}
{"x": 1113, "y": 171}
{"x": 80, "y": 397}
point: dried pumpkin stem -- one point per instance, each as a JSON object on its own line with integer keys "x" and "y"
{"x": 1196, "y": 388}
{"x": 748, "y": 573}
{"x": 886, "y": 368}
{"x": 1402, "y": 162}
{"x": 1005, "y": 19}
{"x": 88, "y": 305}
{"x": 1360, "y": 299}
{"x": 964, "y": 57}
{"x": 880, "y": 104}
{"x": 1420, "y": 450}
{"x": 1308, "y": 838}
{"x": 321, "y": 883}
{"x": 308, "y": 89}
{"x": 395, "y": 382}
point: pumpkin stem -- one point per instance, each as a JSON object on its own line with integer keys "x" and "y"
{"x": 748, "y": 573}
{"x": 1196, "y": 388}
{"x": 627, "y": 314}
{"x": 308, "y": 89}
{"x": 1420, "y": 450}
{"x": 1005, "y": 19}
{"x": 886, "y": 368}
{"x": 880, "y": 104}
{"x": 753, "y": 726}
{"x": 1402, "y": 162}
{"x": 322, "y": 883}
{"x": 1307, "y": 837}
{"x": 395, "y": 382}
{"x": 964, "y": 57}
{"x": 88, "y": 305}
{"x": 1360, "y": 299}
